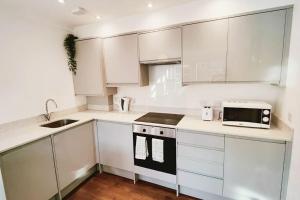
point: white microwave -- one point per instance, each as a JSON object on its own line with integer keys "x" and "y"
{"x": 247, "y": 114}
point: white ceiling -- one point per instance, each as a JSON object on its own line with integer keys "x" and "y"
{"x": 51, "y": 10}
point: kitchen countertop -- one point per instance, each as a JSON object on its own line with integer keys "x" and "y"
{"x": 196, "y": 124}
{"x": 19, "y": 136}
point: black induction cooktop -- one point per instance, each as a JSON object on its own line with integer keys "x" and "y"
{"x": 160, "y": 118}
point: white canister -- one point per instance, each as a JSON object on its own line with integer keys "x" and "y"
{"x": 207, "y": 113}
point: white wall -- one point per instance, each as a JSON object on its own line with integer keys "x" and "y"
{"x": 33, "y": 67}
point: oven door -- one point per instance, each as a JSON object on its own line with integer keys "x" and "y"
{"x": 169, "y": 164}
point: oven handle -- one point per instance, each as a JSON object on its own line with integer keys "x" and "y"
{"x": 156, "y": 131}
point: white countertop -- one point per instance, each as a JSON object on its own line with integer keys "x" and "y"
{"x": 18, "y": 136}
{"x": 196, "y": 124}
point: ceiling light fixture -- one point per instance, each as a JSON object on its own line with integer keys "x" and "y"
{"x": 79, "y": 11}
{"x": 150, "y": 5}
{"x": 61, "y": 1}
{"x": 98, "y": 17}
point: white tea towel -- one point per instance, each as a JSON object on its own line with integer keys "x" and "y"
{"x": 158, "y": 150}
{"x": 141, "y": 148}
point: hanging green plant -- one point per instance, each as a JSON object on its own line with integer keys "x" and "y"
{"x": 70, "y": 47}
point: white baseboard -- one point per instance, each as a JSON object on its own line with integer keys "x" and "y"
{"x": 159, "y": 179}
{"x": 199, "y": 194}
{"x": 157, "y": 182}
{"x": 118, "y": 172}
{"x": 130, "y": 175}
{"x": 169, "y": 178}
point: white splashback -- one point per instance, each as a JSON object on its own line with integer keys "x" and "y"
{"x": 165, "y": 92}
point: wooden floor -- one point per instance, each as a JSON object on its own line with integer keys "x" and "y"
{"x": 110, "y": 187}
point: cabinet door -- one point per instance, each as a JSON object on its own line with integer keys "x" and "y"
{"x": 255, "y": 47}
{"x": 160, "y": 45}
{"x": 29, "y": 173}
{"x": 204, "y": 51}
{"x": 75, "y": 153}
{"x": 116, "y": 145}
{"x": 2, "y": 192}
{"x": 89, "y": 77}
{"x": 253, "y": 169}
{"x": 121, "y": 59}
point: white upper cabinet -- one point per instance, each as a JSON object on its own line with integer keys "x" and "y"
{"x": 255, "y": 47}
{"x": 204, "y": 51}
{"x": 121, "y": 60}
{"x": 89, "y": 79}
{"x": 163, "y": 45}
{"x": 253, "y": 169}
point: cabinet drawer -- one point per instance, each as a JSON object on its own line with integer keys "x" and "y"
{"x": 202, "y": 140}
{"x": 200, "y": 167}
{"x": 196, "y": 153}
{"x": 198, "y": 182}
{"x": 202, "y": 161}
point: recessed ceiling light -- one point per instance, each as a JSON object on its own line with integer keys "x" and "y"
{"x": 150, "y": 5}
{"x": 98, "y": 17}
{"x": 61, "y": 1}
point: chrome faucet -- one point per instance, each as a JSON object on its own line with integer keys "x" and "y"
{"x": 48, "y": 115}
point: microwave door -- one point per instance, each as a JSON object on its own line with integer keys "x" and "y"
{"x": 242, "y": 115}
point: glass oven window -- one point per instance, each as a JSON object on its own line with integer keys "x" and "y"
{"x": 169, "y": 164}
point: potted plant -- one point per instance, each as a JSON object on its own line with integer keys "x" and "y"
{"x": 70, "y": 47}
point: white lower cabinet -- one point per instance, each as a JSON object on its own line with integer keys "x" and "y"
{"x": 231, "y": 168}
{"x": 224, "y": 167}
{"x": 2, "y": 191}
{"x": 75, "y": 153}
{"x": 200, "y": 160}
{"x": 28, "y": 172}
{"x": 253, "y": 169}
{"x": 200, "y": 182}
{"x": 116, "y": 145}
{"x": 201, "y": 139}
